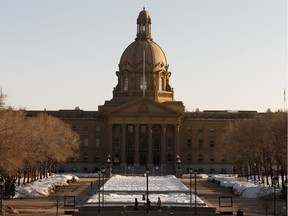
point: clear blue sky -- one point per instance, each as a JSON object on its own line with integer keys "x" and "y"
{"x": 223, "y": 54}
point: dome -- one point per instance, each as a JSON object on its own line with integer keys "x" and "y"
{"x": 133, "y": 54}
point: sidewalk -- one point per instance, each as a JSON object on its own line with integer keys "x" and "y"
{"x": 211, "y": 192}
{"x": 81, "y": 189}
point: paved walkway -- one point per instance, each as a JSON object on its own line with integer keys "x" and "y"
{"x": 82, "y": 190}
{"x": 251, "y": 207}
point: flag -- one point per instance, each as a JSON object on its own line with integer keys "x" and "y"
{"x": 1, "y": 92}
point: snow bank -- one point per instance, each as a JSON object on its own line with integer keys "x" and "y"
{"x": 43, "y": 187}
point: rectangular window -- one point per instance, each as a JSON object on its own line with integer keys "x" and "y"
{"x": 85, "y": 130}
{"x": 200, "y": 143}
{"x": 130, "y": 128}
{"x": 212, "y": 143}
{"x": 200, "y": 129}
{"x": 97, "y": 129}
{"x": 200, "y": 157}
{"x": 189, "y": 158}
{"x": 97, "y": 142}
{"x": 211, "y": 129}
{"x": 212, "y": 158}
{"x": 188, "y": 129}
{"x": 169, "y": 143}
{"x": 143, "y": 129}
{"x": 85, "y": 142}
{"x": 189, "y": 143}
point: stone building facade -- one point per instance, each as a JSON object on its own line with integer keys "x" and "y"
{"x": 143, "y": 125}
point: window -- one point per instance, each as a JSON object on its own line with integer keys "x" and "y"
{"x": 169, "y": 143}
{"x": 188, "y": 129}
{"x": 200, "y": 143}
{"x": 97, "y": 129}
{"x": 212, "y": 158}
{"x": 161, "y": 84}
{"x": 130, "y": 128}
{"x": 85, "y": 156}
{"x": 212, "y": 143}
{"x": 211, "y": 129}
{"x": 189, "y": 143}
{"x": 169, "y": 157}
{"x": 125, "y": 88}
{"x": 97, "y": 142}
{"x": 143, "y": 83}
{"x": 85, "y": 130}
{"x": 85, "y": 142}
{"x": 200, "y": 129}
{"x": 143, "y": 128}
{"x": 189, "y": 158}
{"x": 212, "y": 170}
{"x": 96, "y": 157}
{"x": 117, "y": 143}
{"x": 200, "y": 157}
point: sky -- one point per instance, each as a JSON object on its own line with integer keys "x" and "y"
{"x": 223, "y": 54}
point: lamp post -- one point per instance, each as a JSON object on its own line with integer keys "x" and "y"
{"x": 2, "y": 183}
{"x": 178, "y": 162}
{"x": 190, "y": 171}
{"x": 109, "y": 165}
{"x": 147, "y": 190}
{"x": 195, "y": 192}
{"x": 99, "y": 179}
{"x": 274, "y": 182}
{"x": 103, "y": 175}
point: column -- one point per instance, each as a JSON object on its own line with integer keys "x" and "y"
{"x": 109, "y": 147}
{"x": 163, "y": 145}
{"x": 149, "y": 155}
{"x": 177, "y": 141}
{"x": 123, "y": 145}
{"x": 136, "y": 153}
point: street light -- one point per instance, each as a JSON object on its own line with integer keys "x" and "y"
{"x": 108, "y": 165}
{"x": 190, "y": 171}
{"x": 2, "y": 183}
{"x": 103, "y": 174}
{"x": 178, "y": 170}
{"x": 195, "y": 174}
{"x": 178, "y": 161}
{"x": 274, "y": 182}
{"x": 147, "y": 202}
{"x": 99, "y": 175}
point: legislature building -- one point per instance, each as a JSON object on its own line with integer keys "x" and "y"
{"x": 143, "y": 125}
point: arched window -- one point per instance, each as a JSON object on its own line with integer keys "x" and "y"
{"x": 125, "y": 88}
{"x": 161, "y": 84}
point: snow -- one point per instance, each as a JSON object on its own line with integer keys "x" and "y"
{"x": 124, "y": 189}
{"x": 43, "y": 187}
{"x": 244, "y": 187}
{"x": 169, "y": 188}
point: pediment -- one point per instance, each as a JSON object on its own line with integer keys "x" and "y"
{"x": 143, "y": 106}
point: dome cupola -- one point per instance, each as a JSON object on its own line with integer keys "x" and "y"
{"x": 143, "y": 67}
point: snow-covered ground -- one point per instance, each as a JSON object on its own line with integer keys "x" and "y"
{"x": 124, "y": 189}
{"x": 43, "y": 187}
{"x": 241, "y": 186}
{"x": 246, "y": 188}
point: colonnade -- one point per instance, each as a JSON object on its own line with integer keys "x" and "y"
{"x": 125, "y": 143}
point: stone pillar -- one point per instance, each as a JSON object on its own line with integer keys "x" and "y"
{"x": 163, "y": 145}
{"x": 109, "y": 146}
{"x": 123, "y": 145}
{"x": 149, "y": 155}
{"x": 136, "y": 153}
{"x": 177, "y": 141}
